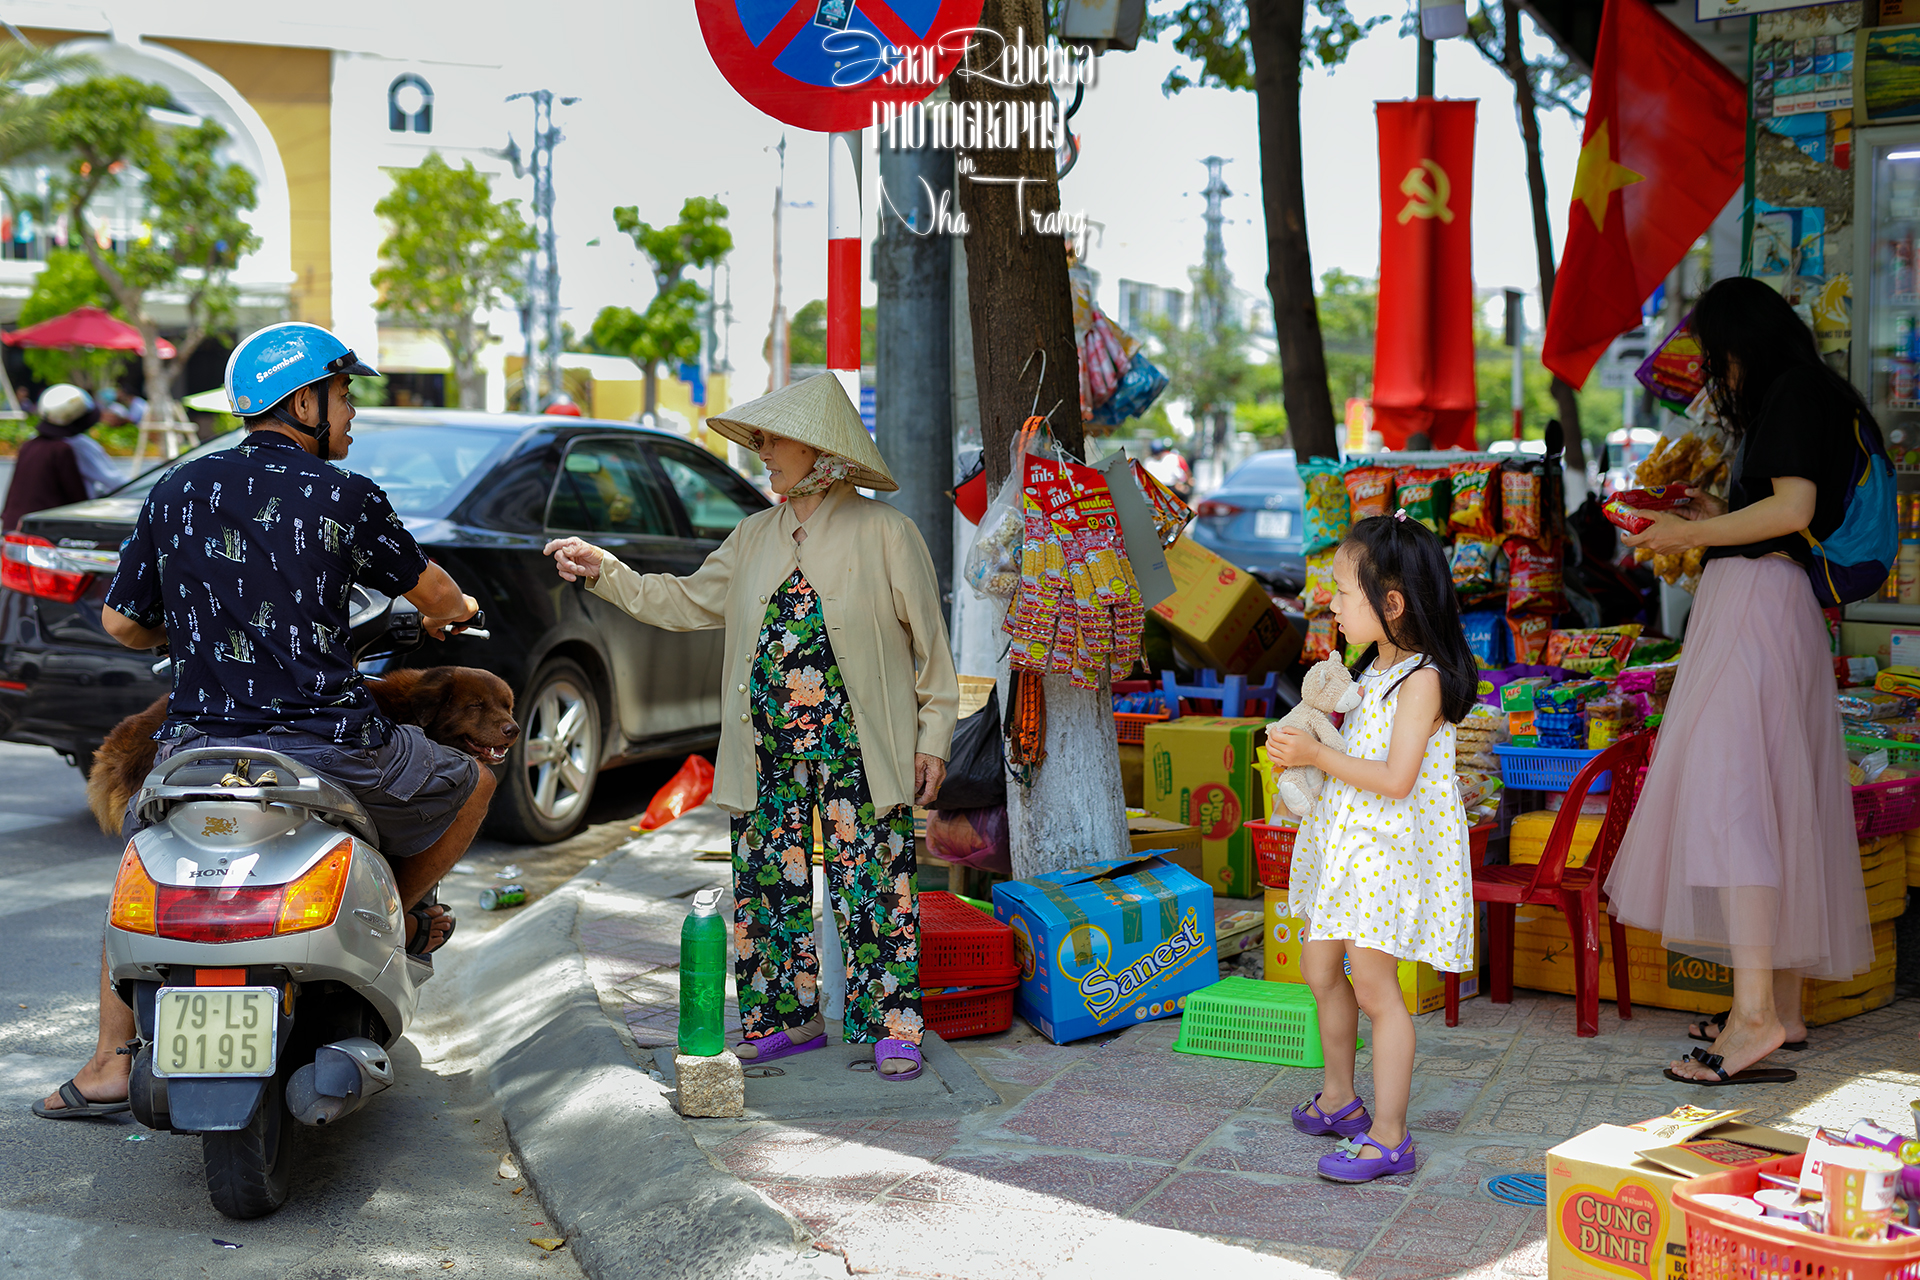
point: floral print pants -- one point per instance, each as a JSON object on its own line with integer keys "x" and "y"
{"x": 869, "y": 873}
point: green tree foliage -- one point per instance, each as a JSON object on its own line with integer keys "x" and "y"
{"x": 807, "y": 334}
{"x": 194, "y": 230}
{"x": 25, "y": 117}
{"x": 668, "y": 331}
{"x": 66, "y": 282}
{"x": 451, "y": 254}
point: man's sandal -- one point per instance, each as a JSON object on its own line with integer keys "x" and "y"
{"x": 423, "y": 946}
{"x": 77, "y": 1107}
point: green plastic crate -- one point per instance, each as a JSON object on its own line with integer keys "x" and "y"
{"x": 1898, "y": 752}
{"x": 1253, "y": 1021}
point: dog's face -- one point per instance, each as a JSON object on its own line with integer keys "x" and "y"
{"x": 465, "y": 708}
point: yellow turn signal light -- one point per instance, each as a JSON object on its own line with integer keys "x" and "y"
{"x": 134, "y": 896}
{"x": 312, "y": 901}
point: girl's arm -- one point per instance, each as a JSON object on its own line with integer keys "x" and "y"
{"x": 1416, "y": 715}
{"x": 1788, "y": 509}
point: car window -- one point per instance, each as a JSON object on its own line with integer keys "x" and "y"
{"x": 1276, "y": 472}
{"x": 715, "y": 499}
{"x": 605, "y": 486}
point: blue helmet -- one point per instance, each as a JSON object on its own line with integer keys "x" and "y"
{"x": 276, "y": 361}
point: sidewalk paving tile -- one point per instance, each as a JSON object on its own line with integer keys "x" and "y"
{"x": 937, "y": 1241}
{"x": 1074, "y": 1185}
{"x": 1164, "y": 1131}
{"x": 1292, "y": 1210}
{"x": 1125, "y": 1074}
{"x": 1439, "y": 1236}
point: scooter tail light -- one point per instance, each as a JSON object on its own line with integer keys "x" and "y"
{"x": 134, "y": 896}
{"x": 313, "y": 900}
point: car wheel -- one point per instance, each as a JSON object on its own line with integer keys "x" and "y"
{"x": 551, "y": 769}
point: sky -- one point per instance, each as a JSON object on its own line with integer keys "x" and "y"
{"x": 657, "y": 124}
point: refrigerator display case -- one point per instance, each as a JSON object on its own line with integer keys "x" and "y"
{"x": 1886, "y": 327}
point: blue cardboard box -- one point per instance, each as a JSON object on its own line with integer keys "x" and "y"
{"x": 1108, "y": 944}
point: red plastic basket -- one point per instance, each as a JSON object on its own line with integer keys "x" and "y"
{"x": 1272, "y": 852}
{"x": 962, "y": 947}
{"x": 1726, "y": 1246}
{"x": 1885, "y": 808}
{"x": 979, "y": 1012}
{"x": 1131, "y": 726}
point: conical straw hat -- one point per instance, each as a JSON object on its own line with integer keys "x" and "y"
{"x": 815, "y": 411}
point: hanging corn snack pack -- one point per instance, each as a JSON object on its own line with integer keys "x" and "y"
{"x": 1322, "y": 634}
{"x": 1521, "y": 498}
{"x": 1369, "y": 491}
{"x": 1424, "y": 494}
{"x": 1170, "y": 515}
{"x": 1329, "y": 510}
{"x": 1475, "y": 561}
{"x": 1317, "y": 598}
{"x": 1476, "y": 498}
{"x": 1534, "y": 578}
{"x": 1530, "y": 633}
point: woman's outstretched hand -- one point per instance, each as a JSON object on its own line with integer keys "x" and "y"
{"x": 574, "y": 558}
{"x": 928, "y": 773}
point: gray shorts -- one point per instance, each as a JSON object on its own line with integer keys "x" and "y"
{"x": 412, "y": 787}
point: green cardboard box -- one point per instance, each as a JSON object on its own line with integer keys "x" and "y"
{"x": 1199, "y": 771}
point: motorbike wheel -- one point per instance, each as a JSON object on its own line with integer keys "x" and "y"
{"x": 550, "y": 772}
{"x": 248, "y": 1170}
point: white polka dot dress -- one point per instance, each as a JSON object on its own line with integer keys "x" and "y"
{"x": 1393, "y": 875}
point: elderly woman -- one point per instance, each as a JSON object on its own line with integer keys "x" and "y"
{"x": 839, "y": 692}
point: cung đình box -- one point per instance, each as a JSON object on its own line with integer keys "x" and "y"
{"x": 1108, "y": 944}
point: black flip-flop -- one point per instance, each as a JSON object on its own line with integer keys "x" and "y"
{"x": 1752, "y": 1075}
{"x": 77, "y": 1106}
{"x": 1720, "y": 1020}
{"x": 422, "y": 947}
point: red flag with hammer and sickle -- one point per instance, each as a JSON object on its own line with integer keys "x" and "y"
{"x": 1423, "y": 342}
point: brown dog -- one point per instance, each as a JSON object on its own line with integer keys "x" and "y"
{"x": 464, "y": 708}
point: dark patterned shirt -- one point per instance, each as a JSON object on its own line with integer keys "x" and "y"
{"x": 246, "y": 556}
{"x": 799, "y": 700}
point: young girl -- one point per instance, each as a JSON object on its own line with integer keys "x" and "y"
{"x": 1380, "y": 866}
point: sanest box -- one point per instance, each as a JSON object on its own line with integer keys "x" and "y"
{"x": 1108, "y": 944}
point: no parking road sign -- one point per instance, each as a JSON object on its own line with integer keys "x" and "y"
{"x": 825, "y": 64}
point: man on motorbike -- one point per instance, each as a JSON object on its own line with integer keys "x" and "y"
{"x": 242, "y": 562}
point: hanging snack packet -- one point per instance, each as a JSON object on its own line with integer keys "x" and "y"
{"x": 1521, "y": 485}
{"x": 1328, "y": 508}
{"x": 1317, "y": 597}
{"x": 1423, "y": 493}
{"x": 1475, "y": 563}
{"x": 1170, "y": 515}
{"x": 1604, "y": 651}
{"x": 1530, "y": 632}
{"x": 1321, "y": 634}
{"x": 1487, "y": 638}
{"x": 1369, "y": 491}
{"x": 1533, "y": 584}
{"x": 1475, "y": 497}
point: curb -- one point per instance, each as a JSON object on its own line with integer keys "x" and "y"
{"x": 614, "y": 1165}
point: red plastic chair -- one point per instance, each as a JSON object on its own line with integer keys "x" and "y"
{"x": 1575, "y": 891}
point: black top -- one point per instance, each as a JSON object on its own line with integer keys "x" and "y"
{"x": 1804, "y": 429}
{"x": 46, "y": 474}
{"x": 248, "y": 556}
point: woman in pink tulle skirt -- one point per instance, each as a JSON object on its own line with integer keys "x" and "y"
{"x": 1742, "y": 849}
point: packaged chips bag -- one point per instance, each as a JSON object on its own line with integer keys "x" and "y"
{"x": 1530, "y": 633}
{"x": 1322, "y": 634}
{"x": 1624, "y": 508}
{"x": 1369, "y": 491}
{"x": 1329, "y": 511}
{"x": 1533, "y": 578}
{"x": 1424, "y": 494}
{"x": 1475, "y": 499}
{"x": 1522, "y": 495}
{"x": 1487, "y": 638}
{"x": 1603, "y": 651}
{"x": 1317, "y": 598}
{"x": 1476, "y": 564}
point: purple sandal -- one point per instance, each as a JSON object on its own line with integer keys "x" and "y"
{"x": 1345, "y": 1163}
{"x": 780, "y": 1045}
{"x": 891, "y": 1048}
{"x": 1348, "y": 1121}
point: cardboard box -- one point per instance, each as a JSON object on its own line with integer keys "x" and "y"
{"x": 1133, "y": 774}
{"x": 1108, "y": 944}
{"x": 1423, "y": 988}
{"x": 1610, "y": 1202}
{"x": 1177, "y": 842}
{"x": 1903, "y": 648}
{"x": 1199, "y": 772}
{"x": 1224, "y": 616}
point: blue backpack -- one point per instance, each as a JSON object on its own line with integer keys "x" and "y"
{"x": 1853, "y": 562}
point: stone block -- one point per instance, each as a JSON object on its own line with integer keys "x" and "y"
{"x": 709, "y": 1086}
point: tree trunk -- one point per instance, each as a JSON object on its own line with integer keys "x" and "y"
{"x": 1020, "y": 306}
{"x": 652, "y": 401}
{"x": 1274, "y": 32}
{"x": 1564, "y": 396}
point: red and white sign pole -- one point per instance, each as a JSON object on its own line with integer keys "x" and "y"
{"x": 843, "y": 260}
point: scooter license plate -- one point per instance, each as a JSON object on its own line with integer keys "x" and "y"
{"x": 215, "y": 1031}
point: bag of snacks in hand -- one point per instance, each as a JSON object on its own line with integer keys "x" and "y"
{"x": 1423, "y": 493}
{"x": 1329, "y": 511}
{"x": 1476, "y": 499}
{"x": 1624, "y": 508}
{"x": 1370, "y": 491}
{"x": 1603, "y": 651}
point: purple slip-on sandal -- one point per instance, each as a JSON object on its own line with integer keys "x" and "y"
{"x": 1348, "y": 1121}
{"x": 891, "y": 1048}
{"x": 1345, "y": 1163}
{"x": 781, "y": 1045}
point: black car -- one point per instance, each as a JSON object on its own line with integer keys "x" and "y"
{"x": 482, "y": 493}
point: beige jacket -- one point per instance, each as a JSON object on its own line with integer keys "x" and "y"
{"x": 881, "y": 602}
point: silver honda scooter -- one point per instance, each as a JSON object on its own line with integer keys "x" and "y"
{"x": 257, "y": 933}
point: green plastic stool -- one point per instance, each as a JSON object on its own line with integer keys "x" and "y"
{"x": 1253, "y": 1021}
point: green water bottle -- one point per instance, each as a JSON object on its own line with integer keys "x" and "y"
{"x": 703, "y": 977}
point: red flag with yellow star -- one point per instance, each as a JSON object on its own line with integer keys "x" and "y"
{"x": 1665, "y": 149}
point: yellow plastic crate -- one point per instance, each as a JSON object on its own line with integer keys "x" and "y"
{"x": 1527, "y": 841}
